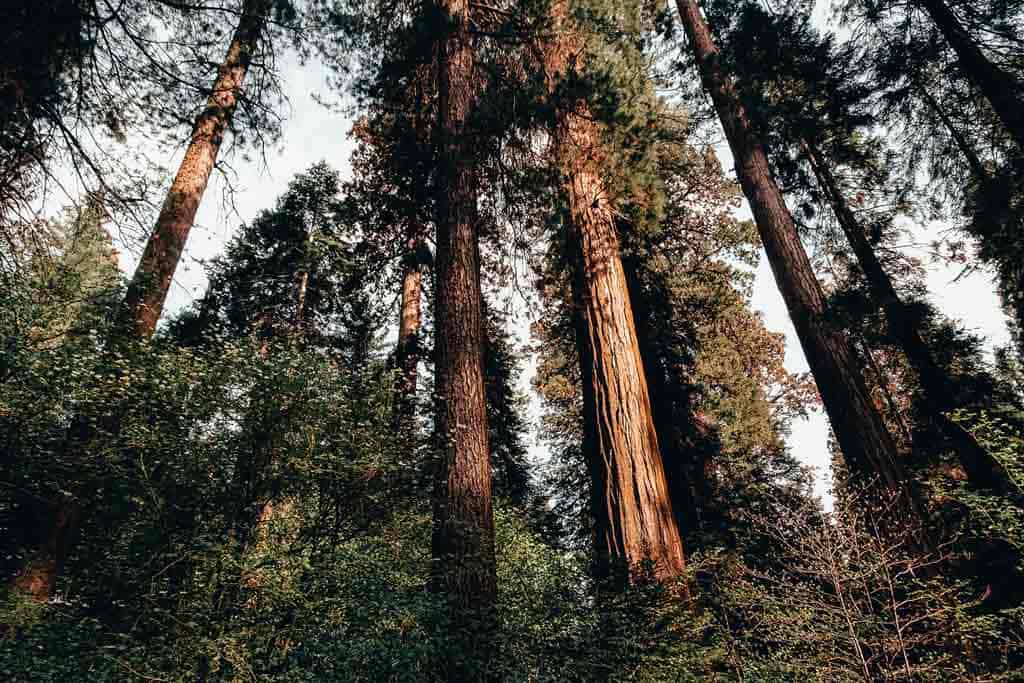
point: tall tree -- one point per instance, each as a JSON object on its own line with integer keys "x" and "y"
{"x": 415, "y": 260}
{"x": 463, "y": 535}
{"x": 936, "y": 388}
{"x": 148, "y": 289}
{"x": 632, "y": 509}
{"x": 865, "y": 441}
{"x": 1000, "y": 88}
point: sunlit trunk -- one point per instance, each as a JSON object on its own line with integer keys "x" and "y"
{"x": 148, "y": 288}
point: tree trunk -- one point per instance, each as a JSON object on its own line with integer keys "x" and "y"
{"x": 683, "y": 441}
{"x": 148, "y": 288}
{"x": 1000, "y": 88}
{"x": 407, "y": 352}
{"x": 981, "y": 174}
{"x": 635, "y": 529}
{"x": 57, "y": 528}
{"x": 632, "y": 510}
{"x": 463, "y": 536}
{"x": 866, "y": 444}
{"x": 936, "y": 388}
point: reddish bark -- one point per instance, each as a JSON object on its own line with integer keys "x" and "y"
{"x": 407, "y": 351}
{"x": 463, "y": 536}
{"x": 634, "y": 522}
{"x": 148, "y": 288}
{"x": 57, "y": 527}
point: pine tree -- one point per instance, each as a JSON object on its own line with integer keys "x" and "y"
{"x": 152, "y": 280}
{"x": 865, "y": 441}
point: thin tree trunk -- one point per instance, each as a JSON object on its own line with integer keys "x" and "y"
{"x": 463, "y": 535}
{"x": 865, "y": 441}
{"x": 148, "y": 288}
{"x": 970, "y": 154}
{"x": 936, "y": 388}
{"x": 1000, "y": 88}
{"x": 407, "y": 352}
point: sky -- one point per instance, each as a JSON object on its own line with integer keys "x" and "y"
{"x": 313, "y": 133}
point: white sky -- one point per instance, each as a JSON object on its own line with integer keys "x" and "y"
{"x": 313, "y": 133}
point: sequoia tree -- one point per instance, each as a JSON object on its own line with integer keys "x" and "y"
{"x": 463, "y": 534}
{"x": 630, "y": 498}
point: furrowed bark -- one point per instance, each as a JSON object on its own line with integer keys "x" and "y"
{"x": 682, "y": 439}
{"x": 867, "y": 446}
{"x": 635, "y": 529}
{"x": 463, "y": 534}
{"x": 148, "y": 288}
{"x": 936, "y": 389}
{"x": 1001, "y": 89}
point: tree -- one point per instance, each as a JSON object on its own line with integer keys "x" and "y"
{"x": 866, "y": 444}
{"x": 1002, "y": 90}
{"x": 148, "y": 289}
{"x": 634, "y": 523}
{"x": 463, "y": 537}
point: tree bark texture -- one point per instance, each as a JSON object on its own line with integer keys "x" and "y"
{"x": 936, "y": 389}
{"x": 686, "y": 444}
{"x": 867, "y": 446}
{"x": 463, "y": 534}
{"x": 57, "y": 528}
{"x": 148, "y": 288}
{"x": 635, "y": 528}
{"x": 1000, "y": 88}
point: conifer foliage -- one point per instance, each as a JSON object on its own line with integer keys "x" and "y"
{"x": 491, "y": 399}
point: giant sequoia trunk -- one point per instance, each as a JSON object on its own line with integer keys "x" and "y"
{"x": 635, "y": 528}
{"x": 685, "y": 443}
{"x": 463, "y": 537}
{"x": 1001, "y": 89}
{"x": 407, "y": 351}
{"x": 867, "y": 446}
{"x": 632, "y": 510}
{"x": 148, "y": 288}
{"x": 936, "y": 389}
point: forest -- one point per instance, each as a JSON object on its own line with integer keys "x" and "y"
{"x": 488, "y": 396}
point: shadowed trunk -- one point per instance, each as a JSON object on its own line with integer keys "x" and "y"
{"x": 463, "y": 535}
{"x": 58, "y": 526}
{"x": 148, "y": 288}
{"x": 978, "y": 169}
{"x": 1000, "y": 88}
{"x": 867, "y": 446}
{"x": 936, "y": 389}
